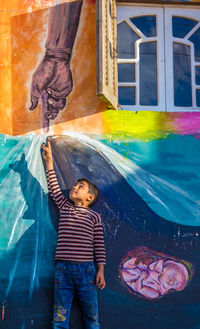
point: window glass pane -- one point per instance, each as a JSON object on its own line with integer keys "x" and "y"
{"x": 197, "y": 75}
{"x": 195, "y": 38}
{"x": 182, "y": 26}
{"x": 126, "y": 72}
{"x": 126, "y": 41}
{"x": 182, "y": 75}
{"x": 126, "y": 95}
{"x": 146, "y": 24}
{"x": 148, "y": 73}
{"x": 198, "y": 97}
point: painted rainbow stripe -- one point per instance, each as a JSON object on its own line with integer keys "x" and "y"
{"x": 150, "y": 125}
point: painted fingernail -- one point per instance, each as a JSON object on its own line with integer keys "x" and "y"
{"x": 50, "y": 101}
{"x": 49, "y": 91}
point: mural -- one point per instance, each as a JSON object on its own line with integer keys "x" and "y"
{"x": 158, "y": 209}
{"x": 24, "y": 34}
{"x": 145, "y": 164}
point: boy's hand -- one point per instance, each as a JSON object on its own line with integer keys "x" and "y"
{"x": 100, "y": 280}
{"x": 47, "y": 155}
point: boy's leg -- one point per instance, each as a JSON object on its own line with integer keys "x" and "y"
{"x": 87, "y": 296}
{"x": 63, "y": 296}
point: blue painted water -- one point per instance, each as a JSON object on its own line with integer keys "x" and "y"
{"x": 167, "y": 175}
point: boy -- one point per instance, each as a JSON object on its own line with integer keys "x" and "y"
{"x": 80, "y": 237}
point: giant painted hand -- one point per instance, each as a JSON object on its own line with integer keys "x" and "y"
{"x": 52, "y": 80}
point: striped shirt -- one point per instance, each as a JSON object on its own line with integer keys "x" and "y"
{"x": 80, "y": 231}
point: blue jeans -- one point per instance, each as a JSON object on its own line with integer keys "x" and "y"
{"x": 71, "y": 278}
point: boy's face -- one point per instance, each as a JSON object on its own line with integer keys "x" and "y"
{"x": 80, "y": 193}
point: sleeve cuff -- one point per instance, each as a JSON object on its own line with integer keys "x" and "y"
{"x": 50, "y": 170}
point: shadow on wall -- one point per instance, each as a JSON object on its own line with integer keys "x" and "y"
{"x": 27, "y": 272}
{"x": 25, "y": 281}
{"x": 54, "y": 66}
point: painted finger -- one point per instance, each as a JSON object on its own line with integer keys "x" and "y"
{"x": 57, "y": 104}
{"x": 45, "y": 110}
{"x": 53, "y": 108}
{"x": 34, "y": 102}
{"x": 62, "y": 93}
{"x": 52, "y": 113}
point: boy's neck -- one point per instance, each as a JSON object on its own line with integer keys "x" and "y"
{"x": 81, "y": 204}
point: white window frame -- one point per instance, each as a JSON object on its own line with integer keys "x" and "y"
{"x": 182, "y": 12}
{"x": 164, "y": 15}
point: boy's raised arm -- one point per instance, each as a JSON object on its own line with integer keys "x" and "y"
{"x": 52, "y": 181}
{"x": 47, "y": 155}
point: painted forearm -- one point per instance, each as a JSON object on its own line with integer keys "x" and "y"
{"x": 63, "y": 25}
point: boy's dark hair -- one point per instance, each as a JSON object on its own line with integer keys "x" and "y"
{"x": 92, "y": 189}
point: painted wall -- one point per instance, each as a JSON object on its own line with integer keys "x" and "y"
{"x": 144, "y": 163}
{"x": 149, "y": 203}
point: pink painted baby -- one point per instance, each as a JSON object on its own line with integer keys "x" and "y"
{"x": 151, "y": 277}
